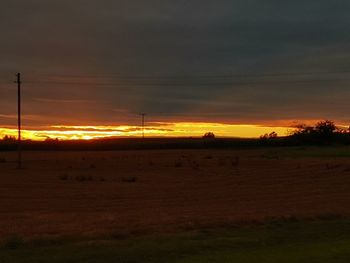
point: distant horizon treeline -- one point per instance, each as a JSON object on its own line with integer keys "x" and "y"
{"x": 322, "y": 133}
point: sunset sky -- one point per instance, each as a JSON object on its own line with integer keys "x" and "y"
{"x": 235, "y": 67}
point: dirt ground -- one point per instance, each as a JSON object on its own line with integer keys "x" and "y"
{"x": 62, "y": 194}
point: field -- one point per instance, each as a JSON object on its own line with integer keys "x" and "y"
{"x": 73, "y": 200}
{"x": 287, "y": 242}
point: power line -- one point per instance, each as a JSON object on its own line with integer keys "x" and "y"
{"x": 186, "y": 76}
{"x": 186, "y": 80}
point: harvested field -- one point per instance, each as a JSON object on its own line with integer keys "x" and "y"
{"x": 92, "y": 194}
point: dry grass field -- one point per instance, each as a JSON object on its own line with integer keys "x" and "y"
{"x": 94, "y": 194}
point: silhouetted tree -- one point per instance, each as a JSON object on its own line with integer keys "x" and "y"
{"x": 302, "y": 129}
{"x": 273, "y": 135}
{"x": 323, "y": 132}
{"x": 8, "y": 138}
{"x": 325, "y": 128}
{"x": 209, "y": 135}
{"x": 266, "y": 136}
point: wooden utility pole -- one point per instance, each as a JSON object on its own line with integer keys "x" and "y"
{"x": 19, "y": 140}
{"x": 143, "y": 125}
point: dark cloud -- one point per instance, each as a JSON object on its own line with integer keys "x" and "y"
{"x": 238, "y": 61}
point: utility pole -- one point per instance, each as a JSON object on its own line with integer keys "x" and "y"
{"x": 143, "y": 124}
{"x": 18, "y": 81}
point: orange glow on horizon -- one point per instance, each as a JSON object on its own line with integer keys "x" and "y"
{"x": 179, "y": 129}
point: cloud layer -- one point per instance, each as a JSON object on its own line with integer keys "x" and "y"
{"x": 247, "y": 61}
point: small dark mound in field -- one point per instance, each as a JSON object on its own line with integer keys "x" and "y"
{"x": 178, "y": 164}
{"x": 13, "y": 243}
{"x": 83, "y": 178}
{"x": 129, "y": 179}
{"x": 63, "y": 177}
{"x": 222, "y": 162}
{"x": 235, "y": 161}
{"x": 120, "y": 235}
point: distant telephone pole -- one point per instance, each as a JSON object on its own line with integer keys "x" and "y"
{"x": 143, "y": 124}
{"x": 18, "y": 81}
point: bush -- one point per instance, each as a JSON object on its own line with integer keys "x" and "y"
{"x": 209, "y": 135}
{"x": 272, "y": 135}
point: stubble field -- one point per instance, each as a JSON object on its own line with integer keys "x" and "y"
{"x": 96, "y": 194}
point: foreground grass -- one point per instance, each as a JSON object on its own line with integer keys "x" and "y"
{"x": 318, "y": 241}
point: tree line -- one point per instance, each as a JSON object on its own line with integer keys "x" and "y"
{"x": 323, "y": 132}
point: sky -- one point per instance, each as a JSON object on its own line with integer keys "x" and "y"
{"x": 267, "y": 63}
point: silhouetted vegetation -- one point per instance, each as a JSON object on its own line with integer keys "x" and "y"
{"x": 131, "y": 144}
{"x": 322, "y": 133}
{"x": 209, "y": 135}
{"x": 9, "y": 139}
{"x": 266, "y": 136}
